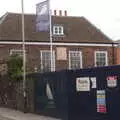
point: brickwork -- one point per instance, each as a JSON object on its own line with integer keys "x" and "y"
{"x": 33, "y": 55}
{"x": 118, "y": 56}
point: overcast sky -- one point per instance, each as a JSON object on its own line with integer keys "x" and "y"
{"x": 102, "y": 13}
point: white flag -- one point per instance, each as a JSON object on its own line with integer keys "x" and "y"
{"x": 42, "y": 16}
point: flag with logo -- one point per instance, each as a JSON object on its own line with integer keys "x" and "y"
{"x": 42, "y": 16}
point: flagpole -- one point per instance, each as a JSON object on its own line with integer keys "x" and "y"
{"x": 43, "y": 16}
{"x": 51, "y": 46}
{"x": 24, "y": 59}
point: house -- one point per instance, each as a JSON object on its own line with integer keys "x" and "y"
{"x": 76, "y": 42}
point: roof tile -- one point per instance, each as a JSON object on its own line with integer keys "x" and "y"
{"x": 76, "y": 29}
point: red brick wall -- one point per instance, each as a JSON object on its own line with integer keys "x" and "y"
{"x": 33, "y": 55}
{"x": 118, "y": 56}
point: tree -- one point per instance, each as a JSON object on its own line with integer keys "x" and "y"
{"x": 15, "y": 64}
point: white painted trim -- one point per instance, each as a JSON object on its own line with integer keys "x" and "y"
{"x": 106, "y": 58}
{"x": 3, "y": 17}
{"x": 81, "y": 59}
{"x": 58, "y": 31}
{"x": 95, "y": 59}
{"x": 58, "y": 44}
{"x": 106, "y": 54}
{"x": 81, "y": 62}
{"x": 69, "y": 60}
{"x": 16, "y": 50}
{"x": 41, "y": 64}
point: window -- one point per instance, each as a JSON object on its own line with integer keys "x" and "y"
{"x": 46, "y": 61}
{"x": 75, "y": 59}
{"x": 16, "y": 52}
{"x": 58, "y": 30}
{"x": 101, "y": 58}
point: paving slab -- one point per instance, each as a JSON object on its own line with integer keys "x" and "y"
{"x": 10, "y": 114}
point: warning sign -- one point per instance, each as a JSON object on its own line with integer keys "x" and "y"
{"x": 101, "y": 102}
{"x": 83, "y": 84}
{"x": 112, "y": 81}
{"x": 93, "y": 80}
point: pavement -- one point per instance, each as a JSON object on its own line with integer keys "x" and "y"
{"x": 10, "y": 114}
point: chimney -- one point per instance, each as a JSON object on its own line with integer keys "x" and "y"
{"x": 65, "y": 12}
{"x": 60, "y": 12}
{"x": 55, "y": 12}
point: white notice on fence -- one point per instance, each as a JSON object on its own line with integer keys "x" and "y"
{"x": 93, "y": 80}
{"x": 82, "y": 84}
{"x": 112, "y": 81}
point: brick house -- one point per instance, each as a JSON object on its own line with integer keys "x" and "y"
{"x": 77, "y": 43}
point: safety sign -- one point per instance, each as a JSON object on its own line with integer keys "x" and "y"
{"x": 101, "y": 101}
{"x": 112, "y": 81}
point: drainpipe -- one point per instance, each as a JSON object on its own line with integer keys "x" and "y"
{"x": 113, "y": 54}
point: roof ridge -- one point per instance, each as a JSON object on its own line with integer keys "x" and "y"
{"x": 69, "y": 16}
{"x": 18, "y": 13}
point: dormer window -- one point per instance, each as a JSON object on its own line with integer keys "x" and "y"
{"x": 58, "y": 30}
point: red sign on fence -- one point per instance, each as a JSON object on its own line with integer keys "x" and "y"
{"x": 112, "y": 81}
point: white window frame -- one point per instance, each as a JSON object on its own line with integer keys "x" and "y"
{"x": 106, "y": 56}
{"x": 81, "y": 62}
{"x": 16, "y": 50}
{"x": 41, "y": 62}
{"x": 58, "y": 32}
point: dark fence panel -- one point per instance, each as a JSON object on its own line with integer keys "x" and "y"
{"x": 85, "y": 103}
{"x": 51, "y": 93}
{"x": 56, "y": 94}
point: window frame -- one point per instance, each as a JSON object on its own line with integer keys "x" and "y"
{"x": 57, "y": 28}
{"x": 16, "y": 50}
{"x": 80, "y": 53}
{"x": 41, "y": 61}
{"x": 106, "y": 57}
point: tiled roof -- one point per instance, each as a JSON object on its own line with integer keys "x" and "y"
{"x": 76, "y": 29}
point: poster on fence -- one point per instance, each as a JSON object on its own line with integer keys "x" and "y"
{"x": 101, "y": 101}
{"x": 82, "y": 84}
{"x": 112, "y": 81}
{"x": 93, "y": 80}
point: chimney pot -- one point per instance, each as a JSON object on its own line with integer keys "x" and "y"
{"x": 55, "y": 12}
{"x": 65, "y": 12}
{"x": 60, "y": 12}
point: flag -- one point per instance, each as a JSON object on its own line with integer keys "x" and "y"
{"x": 42, "y": 16}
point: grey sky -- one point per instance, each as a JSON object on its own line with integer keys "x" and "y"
{"x": 102, "y": 13}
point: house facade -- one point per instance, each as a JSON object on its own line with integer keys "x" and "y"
{"x": 76, "y": 43}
